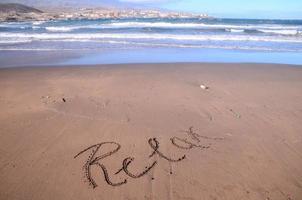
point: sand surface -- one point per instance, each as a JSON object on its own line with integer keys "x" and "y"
{"x": 151, "y": 132}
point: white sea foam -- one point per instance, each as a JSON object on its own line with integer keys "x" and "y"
{"x": 142, "y": 36}
{"x": 280, "y": 32}
{"x": 152, "y": 25}
{"x": 38, "y": 22}
{"x": 71, "y": 28}
{"x": 235, "y": 30}
{"x": 194, "y": 25}
{"x": 60, "y": 28}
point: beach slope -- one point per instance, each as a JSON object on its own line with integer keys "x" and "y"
{"x": 151, "y": 131}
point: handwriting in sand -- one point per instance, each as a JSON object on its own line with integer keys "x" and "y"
{"x": 95, "y": 160}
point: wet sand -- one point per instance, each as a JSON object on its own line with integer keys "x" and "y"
{"x": 149, "y": 131}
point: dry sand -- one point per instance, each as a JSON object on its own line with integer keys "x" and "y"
{"x": 246, "y": 140}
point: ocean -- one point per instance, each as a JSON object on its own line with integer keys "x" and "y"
{"x": 162, "y": 40}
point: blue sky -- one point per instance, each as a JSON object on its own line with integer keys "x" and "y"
{"x": 233, "y": 8}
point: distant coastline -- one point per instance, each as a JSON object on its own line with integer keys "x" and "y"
{"x": 20, "y": 12}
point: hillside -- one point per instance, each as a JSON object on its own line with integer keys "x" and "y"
{"x": 18, "y": 8}
{"x": 67, "y": 3}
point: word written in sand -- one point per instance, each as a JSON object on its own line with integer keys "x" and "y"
{"x": 96, "y": 156}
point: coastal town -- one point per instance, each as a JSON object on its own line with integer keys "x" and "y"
{"x": 19, "y": 12}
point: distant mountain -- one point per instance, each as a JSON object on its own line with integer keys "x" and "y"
{"x": 63, "y": 4}
{"x": 69, "y": 3}
{"x": 18, "y": 8}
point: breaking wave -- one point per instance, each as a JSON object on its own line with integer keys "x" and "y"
{"x": 179, "y": 33}
{"x": 266, "y": 29}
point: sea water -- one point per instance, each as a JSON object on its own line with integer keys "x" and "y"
{"x": 159, "y": 40}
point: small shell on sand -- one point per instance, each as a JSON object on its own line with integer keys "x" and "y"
{"x": 204, "y": 87}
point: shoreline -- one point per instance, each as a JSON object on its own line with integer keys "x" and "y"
{"x": 145, "y": 65}
{"x": 144, "y": 56}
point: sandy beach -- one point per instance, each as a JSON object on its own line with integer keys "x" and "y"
{"x": 151, "y": 131}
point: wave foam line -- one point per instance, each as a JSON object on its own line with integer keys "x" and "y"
{"x": 148, "y": 45}
{"x": 61, "y": 29}
{"x": 287, "y": 30}
{"x": 281, "y": 32}
{"x": 92, "y": 36}
{"x": 196, "y": 25}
